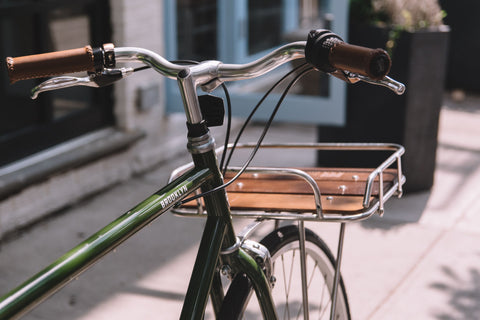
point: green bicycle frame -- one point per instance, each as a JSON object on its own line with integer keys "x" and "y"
{"x": 218, "y": 234}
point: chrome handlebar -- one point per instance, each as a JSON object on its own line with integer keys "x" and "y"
{"x": 208, "y": 74}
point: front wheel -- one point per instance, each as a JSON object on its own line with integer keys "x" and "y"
{"x": 284, "y": 247}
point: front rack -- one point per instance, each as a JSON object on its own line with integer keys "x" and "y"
{"x": 311, "y": 194}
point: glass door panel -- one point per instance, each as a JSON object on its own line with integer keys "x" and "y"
{"x": 244, "y": 30}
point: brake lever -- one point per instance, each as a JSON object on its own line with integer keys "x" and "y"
{"x": 387, "y": 82}
{"x": 95, "y": 80}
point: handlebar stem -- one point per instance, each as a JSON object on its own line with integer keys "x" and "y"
{"x": 187, "y": 86}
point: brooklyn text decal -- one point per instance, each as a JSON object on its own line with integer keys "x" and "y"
{"x": 174, "y": 196}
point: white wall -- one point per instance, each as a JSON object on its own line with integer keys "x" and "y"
{"x": 137, "y": 24}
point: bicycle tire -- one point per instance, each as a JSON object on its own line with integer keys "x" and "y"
{"x": 283, "y": 243}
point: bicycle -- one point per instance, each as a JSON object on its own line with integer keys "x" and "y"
{"x": 229, "y": 268}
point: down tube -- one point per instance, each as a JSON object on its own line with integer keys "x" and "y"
{"x": 52, "y": 278}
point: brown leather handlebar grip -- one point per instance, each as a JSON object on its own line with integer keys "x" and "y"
{"x": 373, "y": 63}
{"x": 327, "y": 52}
{"x": 50, "y": 64}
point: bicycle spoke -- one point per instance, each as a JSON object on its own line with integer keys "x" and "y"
{"x": 324, "y": 289}
{"x": 284, "y": 284}
{"x": 327, "y": 307}
{"x": 308, "y": 284}
{"x": 288, "y": 281}
{"x": 325, "y": 299}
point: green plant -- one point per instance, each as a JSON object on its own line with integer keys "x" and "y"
{"x": 397, "y": 15}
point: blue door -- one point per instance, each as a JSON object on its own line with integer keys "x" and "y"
{"x": 242, "y": 30}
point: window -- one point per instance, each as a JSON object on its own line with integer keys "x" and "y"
{"x": 242, "y": 30}
{"x": 197, "y": 29}
{"x": 29, "y": 27}
{"x": 265, "y": 25}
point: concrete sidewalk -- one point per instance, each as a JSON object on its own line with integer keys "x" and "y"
{"x": 420, "y": 261}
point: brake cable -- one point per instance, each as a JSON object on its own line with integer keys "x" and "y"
{"x": 262, "y": 136}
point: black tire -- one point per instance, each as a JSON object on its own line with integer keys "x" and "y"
{"x": 283, "y": 243}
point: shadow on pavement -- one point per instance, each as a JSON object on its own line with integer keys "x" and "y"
{"x": 399, "y": 212}
{"x": 464, "y": 293}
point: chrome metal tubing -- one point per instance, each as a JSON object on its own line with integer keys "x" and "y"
{"x": 150, "y": 58}
{"x": 201, "y": 144}
{"x": 336, "y": 280}
{"x": 208, "y": 74}
{"x": 308, "y": 216}
{"x": 397, "y": 149}
{"x": 303, "y": 268}
{"x": 207, "y": 71}
{"x": 395, "y": 157}
{"x": 290, "y": 171}
{"x": 387, "y": 82}
{"x": 326, "y": 146}
{"x": 187, "y": 86}
{"x": 370, "y": 206}
{"x": 291, "y": 51}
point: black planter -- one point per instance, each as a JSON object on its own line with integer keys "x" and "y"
{"x": 375, "y": 114}
{"x": 463, "y": 66}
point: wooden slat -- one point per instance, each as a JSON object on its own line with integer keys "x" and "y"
{"x": 293, "y": 203}
{"x": 329, "y": 181}
{"x": 342, "y": 190}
